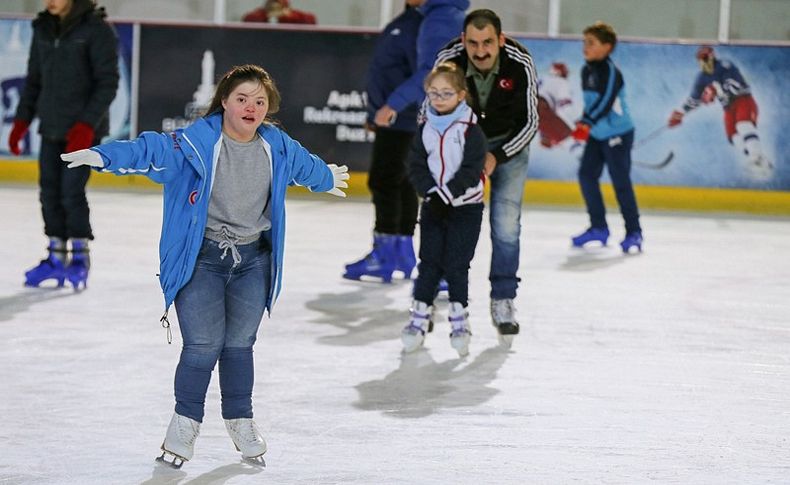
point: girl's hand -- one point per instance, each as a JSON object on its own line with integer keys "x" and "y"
{"x": 83, "y": 157}
{"x": 340, "y": 175}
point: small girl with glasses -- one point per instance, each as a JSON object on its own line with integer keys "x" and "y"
{"x": 445, "y": 167}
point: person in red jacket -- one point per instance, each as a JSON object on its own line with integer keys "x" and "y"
{"x": 279, "y": 11}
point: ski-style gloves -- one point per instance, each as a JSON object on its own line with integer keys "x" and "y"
{"x": 83, "y": 157}
{"x": 340, "y": 175}
{"x": 675, "y": 118}
{"x": 79, "y": 136}
{"x": 17, "y": 132}
{"x": 582, "y": 131}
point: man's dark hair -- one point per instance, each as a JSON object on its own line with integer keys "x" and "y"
{"x": 482, "y": 18}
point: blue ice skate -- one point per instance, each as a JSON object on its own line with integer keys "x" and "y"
{"x": 50, "y": 268}
{"x": 443, "y": 286}
{"x": 77, "y": 270}
{"x": 591, "y": 234}
{"x": 379, "y": 263}
{"x": 632, "y": 240}
{"x": 406, "y": 260}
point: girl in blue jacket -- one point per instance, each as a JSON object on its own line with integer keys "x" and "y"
{"x": 221, "y": 248}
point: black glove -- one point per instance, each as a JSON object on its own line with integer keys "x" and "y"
{"x": 438, "y": 208}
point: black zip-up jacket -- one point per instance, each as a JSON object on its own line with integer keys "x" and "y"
{"x": 72, "y": 72}
{"x": 512, "y": 107}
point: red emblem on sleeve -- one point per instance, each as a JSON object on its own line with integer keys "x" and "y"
{"x": 506, "y": 84}
{"x": 192, "y": 197}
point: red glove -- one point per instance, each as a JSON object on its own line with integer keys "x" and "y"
{"x": 708, "y": 94}
{"x": 582, "y": 131}
{"x": 80, "y": 136}
{"x": 17, "y": 132}
{"x": 676, "y": 118}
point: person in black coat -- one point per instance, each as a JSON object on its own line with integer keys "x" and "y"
{"x": 72, "y": 77}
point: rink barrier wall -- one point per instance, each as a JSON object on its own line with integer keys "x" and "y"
{"x": 544, "y": 192}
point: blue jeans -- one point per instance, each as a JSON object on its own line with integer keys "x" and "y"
{"x": 507, "y": 193}
{"x": 617, "y": 158}
{"x": 219, "y": 312}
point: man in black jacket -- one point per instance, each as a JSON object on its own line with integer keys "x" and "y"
{"x": 72, "y": 77}
{"x": 503, "y": 93}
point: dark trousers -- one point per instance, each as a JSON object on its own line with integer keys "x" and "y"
{"x": 447, "y": 246}
{"x": 393, "y": 196}
{"x": 615, "y": 153}
{"x": 63, "y": 202}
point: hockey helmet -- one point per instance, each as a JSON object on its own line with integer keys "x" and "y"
{"x": 705, "y": 53}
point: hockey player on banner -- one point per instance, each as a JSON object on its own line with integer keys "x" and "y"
{"x": 721, "y": 79}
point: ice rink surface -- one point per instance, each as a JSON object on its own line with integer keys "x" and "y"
{"x": 672, "y": 366}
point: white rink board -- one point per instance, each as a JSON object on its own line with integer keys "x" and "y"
{"x": 672, "y": 366}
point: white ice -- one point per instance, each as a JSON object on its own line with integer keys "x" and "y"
{"x": 672, "y": 366}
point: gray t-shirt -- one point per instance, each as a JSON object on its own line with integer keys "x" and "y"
{"x": 241, "y": 192}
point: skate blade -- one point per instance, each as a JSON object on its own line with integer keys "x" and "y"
{"x": 410, "y": 345}
{"x": 175, "y": 463}
{"x": 461, "y": 345}
{"x": 368, "y": 278}
{"x": 257, "y": 461}
{"x": 506, "y": 341}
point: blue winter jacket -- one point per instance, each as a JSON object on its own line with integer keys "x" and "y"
{"x": 184, "y": 162}
{"x": 443, "y": 21}
{"x": 394, "y": 61}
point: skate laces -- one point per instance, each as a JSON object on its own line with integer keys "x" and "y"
{"x": 503, "y": 311}
{"x": 187, "y": 431}
{"x": 245, "y": 430}
{"x": 227, "y": 243}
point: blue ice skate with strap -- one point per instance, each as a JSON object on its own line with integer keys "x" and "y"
{"x": 592, "y": 234}
{"x": 632, "y": 240}
{"x": 51, "y": 267}
{"x": 77, "y": 270}
{"x": 379, "y": 263}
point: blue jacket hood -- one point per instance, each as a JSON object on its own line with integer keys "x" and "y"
{"x": 432, "y": 4}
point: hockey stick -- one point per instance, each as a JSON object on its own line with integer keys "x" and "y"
{"x": 655, "y": 166}
{"x": 653, "y": 134}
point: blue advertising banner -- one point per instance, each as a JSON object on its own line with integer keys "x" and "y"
{"x": 15, "y": 38}
{"x": 659, "y": 79}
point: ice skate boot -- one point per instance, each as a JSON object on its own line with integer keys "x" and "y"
{"x": 443, "y": 286}
{"x": 503, "y": 316}
{"x": 413, "y": 334}
{"x": 632, "y": 240}
{"x": 50, "y": 268}
{"x": 590, "y": 235}
{"x": 379, "y": 263}
{"x": 77, "y": 270}
{"x": 461, "y": 334}
{"x": 405, "y": 253}
{"x": 247, "y": 439}
{"x": 179, "y": 444}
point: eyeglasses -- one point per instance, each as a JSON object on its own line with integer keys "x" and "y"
{"x": 443, "y": 95}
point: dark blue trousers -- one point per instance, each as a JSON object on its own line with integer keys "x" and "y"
{"x": 447, "y": 246}
{"x": 615, "y": 153}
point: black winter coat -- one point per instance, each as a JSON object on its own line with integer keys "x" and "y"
{"x": 72, "y": 72}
